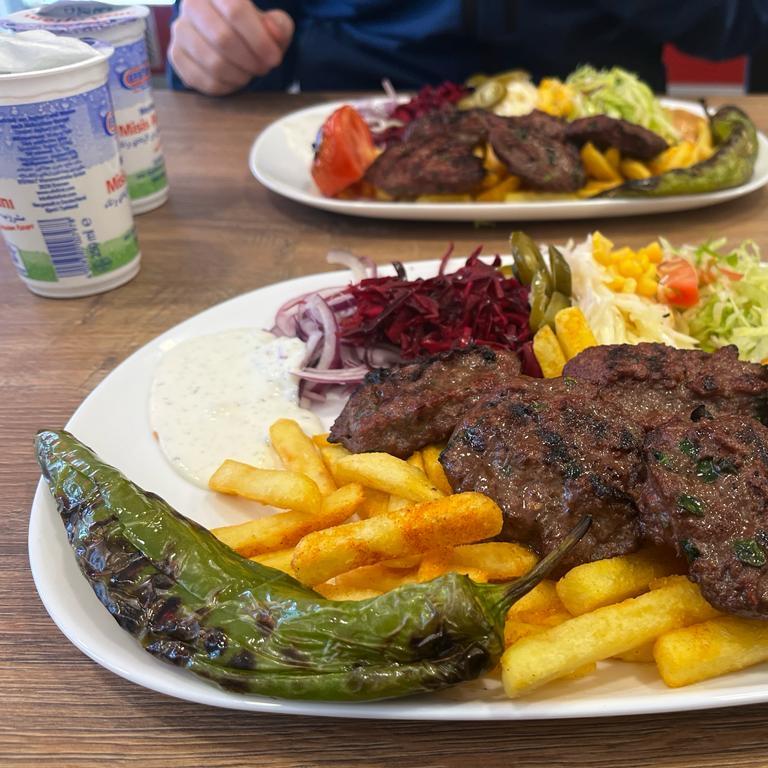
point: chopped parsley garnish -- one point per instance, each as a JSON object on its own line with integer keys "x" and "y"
{"x": 690, "y": 504}
{"x": 710, "y": 469}
{"x": 750, "y": 552}
{"x": 662, "y": 458}
{"x": 688, "y": 448}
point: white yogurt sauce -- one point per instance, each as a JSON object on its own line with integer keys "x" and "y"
{"x": 215, "y": 397}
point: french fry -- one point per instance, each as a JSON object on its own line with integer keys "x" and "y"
{"x": 276, "y": 487}
{"x": 539, "y": 605}
{"x": 457, "y": 519}
{"x": 380, "y": 577}
{"x": 336, "y": 592}
{"x": 548, "y": 352}
{"x": 643, "y": 654}
{"x": 416, "y": 460}
{"x": 535, "y": 660}
{"x": 281, "y": 560}
{"x": 434, "y": 469}
{"x": 597, "y": 164}
{"x": 398, "y": 502}
{"x": 438, "y": 562}
{"x": 594, "y": 187}
{"x": 299, "y": 454}
{"x": 374, "y": 503}
{"x": 573, "y": 332}
{"x": 321, "y": 440}
{"x": 613, "y": 158}
{"x": 634, "y": 169}
{"x": 331, "y": 453}
{"x": 285, "y": 529}
{"x": 386, "y": 473}
{"x": 498, "y": 192}
{"x": 500, "y": 560}
{"x": 602, "y": 582}
{"x": 712, "y": 648}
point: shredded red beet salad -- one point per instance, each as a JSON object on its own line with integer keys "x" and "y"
{"x": 381, "y": 320}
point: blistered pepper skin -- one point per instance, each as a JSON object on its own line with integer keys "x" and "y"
{"x": 191, "y": 601}
{"x": 732, "y": 164}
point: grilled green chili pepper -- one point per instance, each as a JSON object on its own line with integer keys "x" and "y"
{"x": 528, "y": 258}
{"x": 192, "y": 601}
{"x": 561, "y": 272}
{"x": 732, "y": 164}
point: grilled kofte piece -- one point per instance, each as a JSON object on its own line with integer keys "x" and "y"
{"x": 655, "y": 382}
{"x": 436, "y": 165}
{"x": 603, "y": 131}
{"x": 404, "y": 408}
{"x": 706, "y": 494}
{"x": 548, "y": 452}
{"x": 535, "y": 153}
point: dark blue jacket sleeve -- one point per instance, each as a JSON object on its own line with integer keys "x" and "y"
{"x": 712, "y": 29}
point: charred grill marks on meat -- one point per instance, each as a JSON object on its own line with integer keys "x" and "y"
{"x": 402, "y": 409}
{"x": 658, "y": 445}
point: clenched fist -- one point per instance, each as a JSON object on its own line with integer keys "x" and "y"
{"x": 217, "y": 46}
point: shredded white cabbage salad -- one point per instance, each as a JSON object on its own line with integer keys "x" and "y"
{"x": 619, "y": 318}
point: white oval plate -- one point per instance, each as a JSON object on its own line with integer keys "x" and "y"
{"x": 281, "y": 157}
{"x": 114, "y": 421}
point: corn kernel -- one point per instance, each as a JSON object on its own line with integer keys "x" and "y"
{"x": 647, "y": 287}
{"x": 617, "y": 284}
{"x": 653, "y": 252}
{"x": 630, "y": 285}
{"x": 616, "y": 257}
{"x": 651, "y": 272}
{"x": 630, "y": 268}
{"x": 601, "y": 248}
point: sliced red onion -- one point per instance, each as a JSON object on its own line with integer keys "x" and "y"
{"x": 349, "y": 260}
{"x": 337, "y": 376}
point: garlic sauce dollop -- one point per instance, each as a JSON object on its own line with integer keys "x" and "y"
{"x": 214, "y": 398}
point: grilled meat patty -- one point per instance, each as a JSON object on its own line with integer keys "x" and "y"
{"x": 706, "y": 494}
{"x": 436, "y": 165}
{"x": 402, "y": 409}
{"x": 465, "y": 126}
{"x": 549, "y": 452}
{"x": 655, "y": 382}
{"x": 628, "y": 138}
{"x": 543, "y": 162}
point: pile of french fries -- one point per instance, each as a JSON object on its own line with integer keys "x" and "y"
{"x": 357, "y": 525}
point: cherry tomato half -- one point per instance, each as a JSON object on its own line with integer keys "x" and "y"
{"x": 679, "y": 283}
{"x": 344, "y": 152}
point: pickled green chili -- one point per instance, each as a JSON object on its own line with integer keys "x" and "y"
{"x": 191, "y": 601}
{"x": 731, "y": 165}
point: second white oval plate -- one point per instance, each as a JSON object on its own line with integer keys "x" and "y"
{"x": 281, "y": 158}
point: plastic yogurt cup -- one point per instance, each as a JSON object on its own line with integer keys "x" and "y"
{"x": 124, "y": 28}
{"x": 64, "y": 208}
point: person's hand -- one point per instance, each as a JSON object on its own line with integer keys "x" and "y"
{"x": 217, "y": 46}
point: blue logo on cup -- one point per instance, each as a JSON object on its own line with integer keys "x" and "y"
{"x": 110, "y": 127}
{"x": 135, "y": 78}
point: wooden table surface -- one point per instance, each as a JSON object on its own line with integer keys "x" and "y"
{"x": 221, "y": 234}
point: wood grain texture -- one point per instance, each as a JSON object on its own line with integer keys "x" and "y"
{"x": 221, "y": 234}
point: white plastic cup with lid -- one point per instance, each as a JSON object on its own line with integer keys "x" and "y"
{"x": 65, "y": 214}
{"x": 123, "y": 28}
